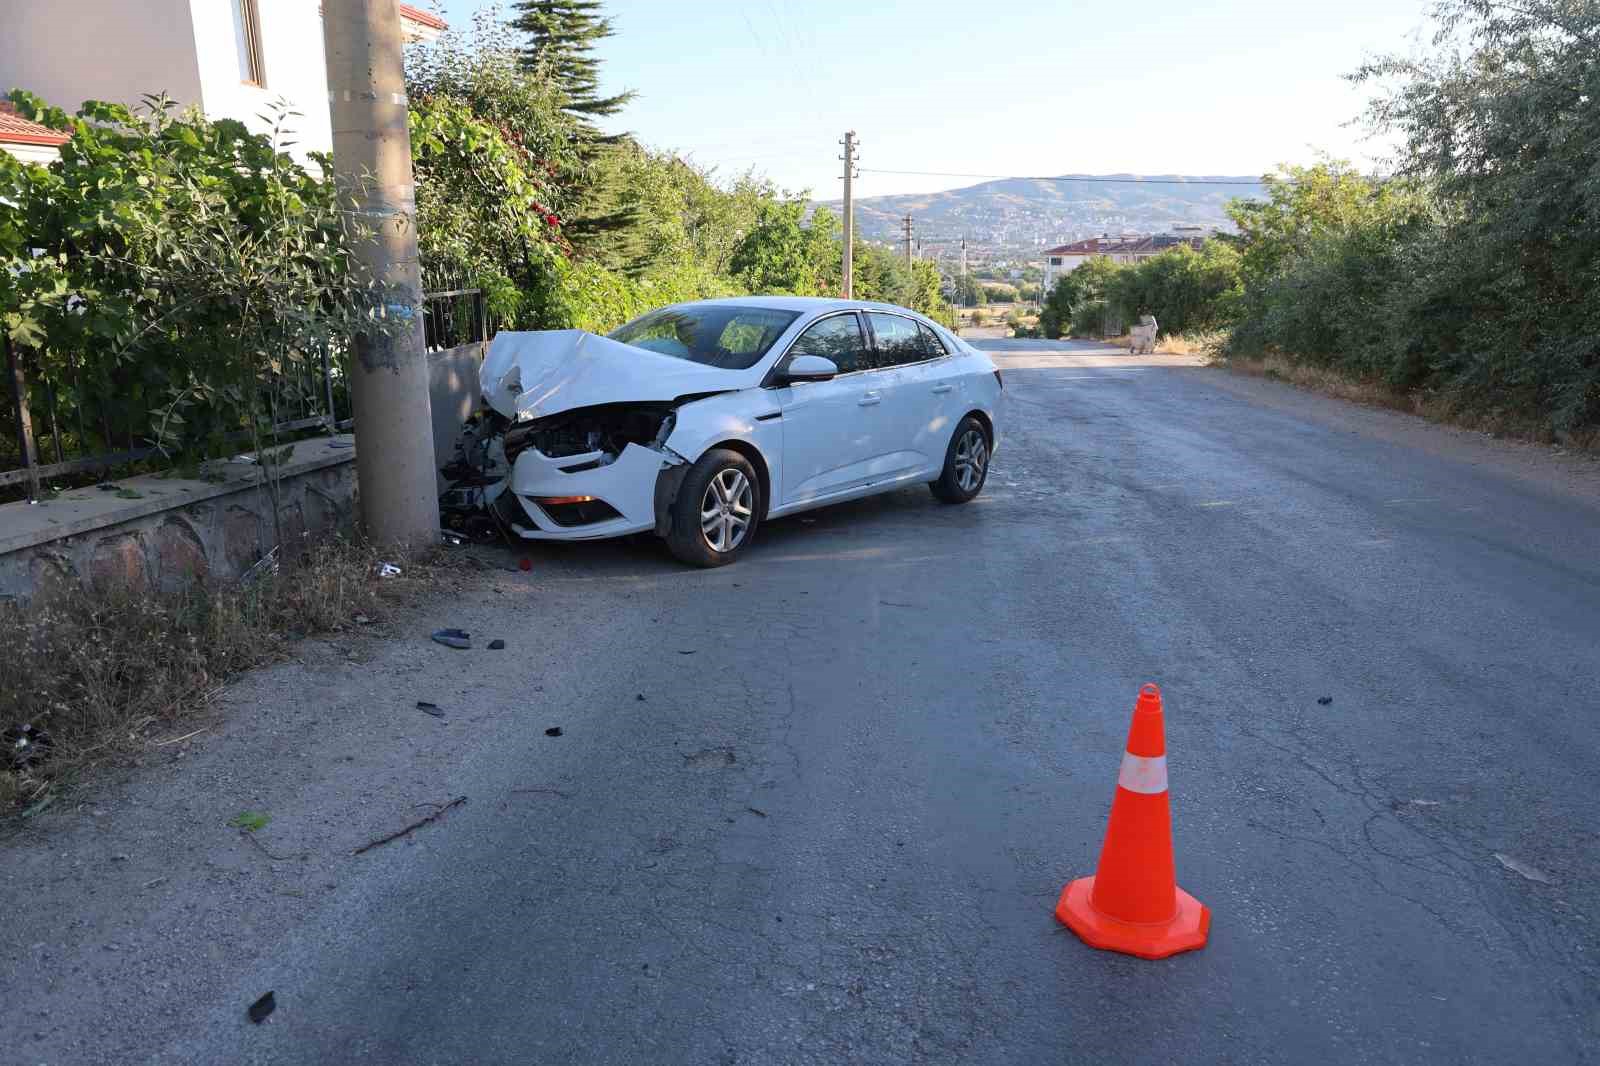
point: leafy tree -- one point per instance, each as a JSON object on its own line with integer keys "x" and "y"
{"x": 1469, "y": 272}
{"x": 826, "y": 250}
{"x": 1078, "y": 302}
{"x": 1186, "y": 290}
{"x": 1502, "y": 121}
{"x": 926, "y": 291}
{"x": 483, "y": 69}
{"x": 1325, "y": 275}
{"x": 781, "y": 255}
{"x": 627, "y": 208}
{"x": 496, "y": 168}
{"x": 1305, "y": 205}
{"x": 882, "y": 274}
{"x": 584, "y": 295}
{"x": 483, "y": 213}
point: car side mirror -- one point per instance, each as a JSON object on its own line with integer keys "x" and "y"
{"x": 809, "y": 368}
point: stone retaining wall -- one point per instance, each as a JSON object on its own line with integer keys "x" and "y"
{"x": 160, "y": 532}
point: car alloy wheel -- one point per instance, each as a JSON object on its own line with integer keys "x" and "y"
{"x": 725, "y": 510}
{"x": 972, "y": 457}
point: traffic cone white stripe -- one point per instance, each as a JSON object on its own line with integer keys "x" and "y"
{"x": 1143, "y": 774}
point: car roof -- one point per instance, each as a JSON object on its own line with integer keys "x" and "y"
{"x": 814, "y": 304}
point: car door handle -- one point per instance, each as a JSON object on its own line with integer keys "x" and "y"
{"x": 869, "y": 399}
{"x": 940, "y": 390}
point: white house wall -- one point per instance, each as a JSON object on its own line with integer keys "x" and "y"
{"x": 1069, "y": 263}
{"x": 292, "y": 58}
{"x": 69, "y": 51}
{"x": 42, "y": 154}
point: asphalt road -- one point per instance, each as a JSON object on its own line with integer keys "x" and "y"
{"x": 817, "y": 807}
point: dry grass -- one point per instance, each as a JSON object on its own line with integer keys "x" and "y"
{"x": 103, "y": 673}
{"x": 1323, "y": 380}
{"x": 1191, "y": 344}
{"x": 1444, "y": 410}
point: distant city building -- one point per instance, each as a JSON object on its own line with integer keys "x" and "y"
{"x": 230, "y": 58}
{"x": 1124, "y": 248}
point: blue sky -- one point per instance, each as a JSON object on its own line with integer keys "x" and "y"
{"x": 1070, "y": 86}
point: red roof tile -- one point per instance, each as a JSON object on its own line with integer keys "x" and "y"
{"x": 1088, "y": 247}
{"x": 14, "y": 129}
{"x": 1128, "y": 245}
{"x": 423, "y": 18}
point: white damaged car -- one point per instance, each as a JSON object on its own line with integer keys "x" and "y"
{"x": 702, "y": 420}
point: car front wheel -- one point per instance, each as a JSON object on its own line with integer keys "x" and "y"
{"x": 717, "y": 510}
{"x": 966, "y": 463}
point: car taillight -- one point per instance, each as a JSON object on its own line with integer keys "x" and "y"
{"x": 998, "y": 380}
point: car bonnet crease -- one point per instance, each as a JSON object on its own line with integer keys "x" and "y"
{"x": 531, "y": 375}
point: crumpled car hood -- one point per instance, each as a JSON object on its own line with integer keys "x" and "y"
{"x": 531, "y": 375}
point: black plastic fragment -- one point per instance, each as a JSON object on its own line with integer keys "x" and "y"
{"x": 262, "y": 1007}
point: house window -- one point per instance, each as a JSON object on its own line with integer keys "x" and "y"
{"x": 1055, "y": 260}
{"x": 247, "y": 40}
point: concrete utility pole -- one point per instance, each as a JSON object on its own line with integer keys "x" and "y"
{"x": 849, "y": 158}
{"x": 389, "y": 377}
{"x": 906, "y": 222}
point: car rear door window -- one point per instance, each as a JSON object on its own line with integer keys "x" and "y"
{"x": 932, "y": 346}
{"x": 896, "y": 340}
{"x": 838, "y": 338}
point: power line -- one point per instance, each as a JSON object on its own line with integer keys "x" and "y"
{"x": 1035, "y": 177}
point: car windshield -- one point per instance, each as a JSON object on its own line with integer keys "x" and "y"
{"x": 716, "y": 335}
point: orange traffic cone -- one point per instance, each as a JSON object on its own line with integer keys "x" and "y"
{"x": 1133, "y": 903}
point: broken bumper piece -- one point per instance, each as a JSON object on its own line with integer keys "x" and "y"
{"x": 583, "y": 497}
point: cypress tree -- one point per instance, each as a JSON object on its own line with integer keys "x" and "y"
{"x": 561, "y": 37}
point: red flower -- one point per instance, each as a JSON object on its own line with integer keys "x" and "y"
{"x": 553, "y": 220}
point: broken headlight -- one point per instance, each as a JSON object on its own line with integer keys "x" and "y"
{"x": 606, "y": 429}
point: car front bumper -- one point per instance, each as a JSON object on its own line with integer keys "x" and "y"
{"x": 627, "y": 484}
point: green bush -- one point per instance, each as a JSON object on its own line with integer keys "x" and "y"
{"x": 1187, "y": 291}
{"x": 1469, "y": 274}
{"x": 173, "y": 279}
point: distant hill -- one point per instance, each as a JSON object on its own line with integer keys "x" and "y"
{"x": 1018, "y": 213}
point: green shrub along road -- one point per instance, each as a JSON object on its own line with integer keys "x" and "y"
{"x": 1467, "y": 274}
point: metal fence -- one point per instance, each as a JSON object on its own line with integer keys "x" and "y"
{"x": 455, "y": 316}
{"x": 45, "y": 436}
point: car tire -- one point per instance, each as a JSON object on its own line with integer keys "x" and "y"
{"x": 719, "y": 489}
{"x": 966, "y": 463}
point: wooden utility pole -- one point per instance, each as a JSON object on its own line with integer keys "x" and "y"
{"x": 389, "y": 375}
{"x": 849, "y": 158}
{"x": 906, "y": 222}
